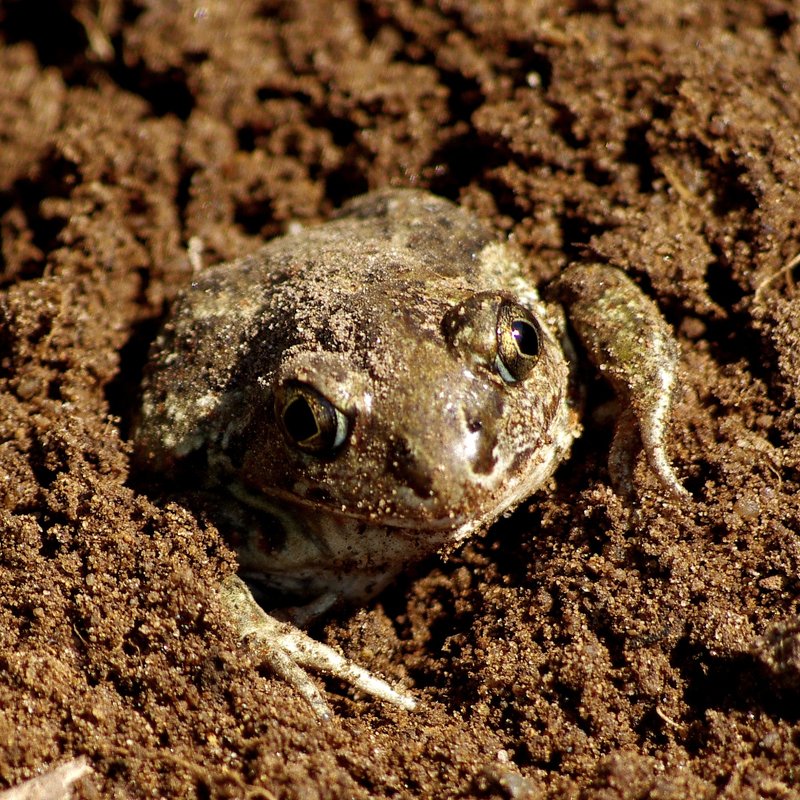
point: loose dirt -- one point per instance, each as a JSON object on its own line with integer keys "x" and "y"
{"x": 587, "y": 647}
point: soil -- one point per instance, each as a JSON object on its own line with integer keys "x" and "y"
{"x": 590, "y": 646}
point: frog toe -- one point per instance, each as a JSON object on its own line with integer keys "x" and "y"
{"x": 290, "y": 652}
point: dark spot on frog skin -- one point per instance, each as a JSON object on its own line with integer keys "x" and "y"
{"x": 235, "y": 448}
{"x": 319, "y": 494}
{"x": 400, "y": 461}
{"x": 484, "y": 461}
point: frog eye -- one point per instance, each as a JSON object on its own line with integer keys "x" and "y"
{"x": 310, "y": 421}
{"x": 518, "y": 342}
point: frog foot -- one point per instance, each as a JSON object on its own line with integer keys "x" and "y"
{"x": 289, "y": 652}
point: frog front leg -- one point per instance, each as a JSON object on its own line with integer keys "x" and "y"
{"x": 289, "y": 652}
{"x": 630, "y": 343}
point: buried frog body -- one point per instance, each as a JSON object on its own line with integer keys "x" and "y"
{"x": 366, "y": 392}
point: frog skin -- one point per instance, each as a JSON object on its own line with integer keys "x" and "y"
{"x": 358, "y": 395}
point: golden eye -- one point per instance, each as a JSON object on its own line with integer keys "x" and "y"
{"x": 518, "y": 342}
{"x": 310, "y": 422}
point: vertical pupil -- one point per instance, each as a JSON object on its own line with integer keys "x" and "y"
{"x": 526, "y": 337}
{"x": 299, "y": 420}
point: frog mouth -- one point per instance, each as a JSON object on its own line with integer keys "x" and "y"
{"x": 277, "y": 502}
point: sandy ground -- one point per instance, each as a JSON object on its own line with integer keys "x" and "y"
{"x": 583, "y": 648}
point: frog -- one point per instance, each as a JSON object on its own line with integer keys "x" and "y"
{"x": 358, "y": 395}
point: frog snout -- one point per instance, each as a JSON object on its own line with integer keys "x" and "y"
{"x": 443, "y": 421}
{"x": 444, "y": 470}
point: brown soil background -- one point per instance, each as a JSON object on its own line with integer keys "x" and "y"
{"x": 580, "y": 649}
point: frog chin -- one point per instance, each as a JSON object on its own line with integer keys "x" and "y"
{"x": 311, "y": 551}
{"x": 305, "y": 550}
